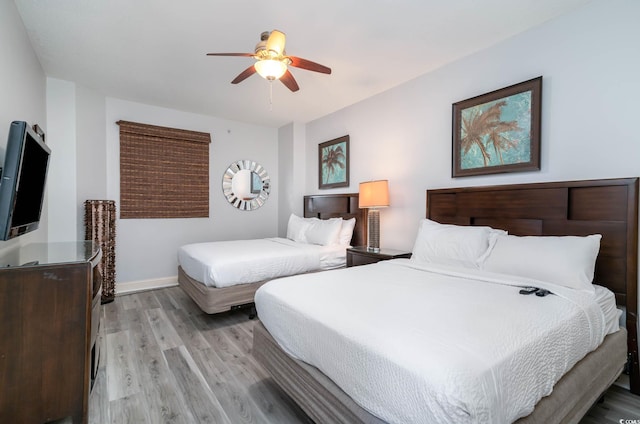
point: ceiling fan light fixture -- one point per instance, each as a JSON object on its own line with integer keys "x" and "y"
{"x": 272, "y": 61}
{"x": 270, "y": 69}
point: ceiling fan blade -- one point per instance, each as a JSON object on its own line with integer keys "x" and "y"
{"x": 289, "y": 81}
{"x": 275, "y": 42}
{"x": 232, "y": 54}
{"x": 244, "y": 75}
{"x": 301, "y": 63}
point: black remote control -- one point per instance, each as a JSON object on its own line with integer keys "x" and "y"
{"x": 528, "y": 290}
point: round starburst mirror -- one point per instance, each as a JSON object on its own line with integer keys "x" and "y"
{"x": 246, "y": 185}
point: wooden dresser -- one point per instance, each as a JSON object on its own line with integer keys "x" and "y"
{"x": 49, "y": 323}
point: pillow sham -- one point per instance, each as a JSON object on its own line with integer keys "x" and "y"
{"x": 564, "y": 260}
{"x": 297, "y": 228}
{"x": 346, "y": 232}
{"x": 457, "y": 245}
{"x": 324, "y": 231}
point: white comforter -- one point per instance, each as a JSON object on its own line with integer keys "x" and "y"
{"x": 227, "y": 263}
{"x": 413, "y": 344}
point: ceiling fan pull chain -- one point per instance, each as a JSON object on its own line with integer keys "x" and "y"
{"x": 270, "y": 95}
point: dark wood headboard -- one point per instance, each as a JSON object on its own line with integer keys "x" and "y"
{"x": 325, "y": 206}
{"x": 607, "y": 207}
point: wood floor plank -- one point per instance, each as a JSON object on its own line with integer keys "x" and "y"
{"x": 198, "y": 395}
{"x": 219, "y": 341}
{"x": 238, "y": 337}
{"x": 129, "y": 410}
{"x": 274, "y": 404}
{"x": 230, "y": 393}
{"x": 117, "y": 318}
{"x": 99, "y": 400}
{"x": 204, "y": 322}
{"x": 618, "y": 405}
{"x": 186, "y": 330}
{"x": 167, "y": 302}
{"x": 166, "y": 335}
{"x": 122, "y": 379}
{"x": 164, "y": 403}
{"x": 131, "y": 302}
{"x": 165, "y": 361}
{"x": 183, "y": 300}
{"x": 146, "y": 300}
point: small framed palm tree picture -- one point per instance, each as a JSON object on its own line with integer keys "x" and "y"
{"x": 498, "y": 131}
{"x": 333, "y": 163}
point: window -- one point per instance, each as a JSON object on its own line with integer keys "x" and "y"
{"x": 164, "y": 172}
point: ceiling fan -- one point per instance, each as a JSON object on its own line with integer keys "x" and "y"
{"x": 272, "y": 61}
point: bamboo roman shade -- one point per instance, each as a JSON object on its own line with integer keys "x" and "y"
{"x": 164, "y": 172}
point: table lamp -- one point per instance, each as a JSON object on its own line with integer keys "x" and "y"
{"x": 373, "y": 195}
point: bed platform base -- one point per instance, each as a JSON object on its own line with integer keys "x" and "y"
{"x": 323, "y": 401}
{"x": 213, "y": 300}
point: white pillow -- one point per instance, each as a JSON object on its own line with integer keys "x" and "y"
{"x": 324, "y": 231}
{"x": 346, "y": 232}
{"x": 457, "y": 245}
{"x": 568, "y": 260}
{"x": 297, "y": 228}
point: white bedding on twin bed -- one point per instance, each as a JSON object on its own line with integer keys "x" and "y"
{"x": 417, "y": 344}
{"x": 606, "y": 300}
{"x": 227, "y": 263}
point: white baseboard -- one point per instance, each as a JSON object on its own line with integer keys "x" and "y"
{"x": 142, "y": 285}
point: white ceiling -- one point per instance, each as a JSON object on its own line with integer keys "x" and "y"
{"x": 153, "y": 51}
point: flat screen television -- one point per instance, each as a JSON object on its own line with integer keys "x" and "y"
{"x": 24, "y": 173}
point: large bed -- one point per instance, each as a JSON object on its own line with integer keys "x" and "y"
{"x": 578, "y": 208}
{"x": 212, "y": 298}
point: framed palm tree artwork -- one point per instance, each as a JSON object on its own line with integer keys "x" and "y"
{"x": 333, "y": 163}
{"x": 498, "y": 131}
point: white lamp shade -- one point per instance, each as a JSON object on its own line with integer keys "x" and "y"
{"x": 275, "y": 42}
{"x": 270, "y": 69}
{"x": 374, "y": 194}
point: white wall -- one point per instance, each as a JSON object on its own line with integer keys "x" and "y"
{"x": 91, "y": 151}
{"x": 77, "y": 136}
{"x": 22, "y": 92}
{"x": 146, "y": 248}
{"x": 590, "y": 62}
{"x": 85, "y": 165}
{"x": 291, "y": 148}
{"x": 62, "y": 178}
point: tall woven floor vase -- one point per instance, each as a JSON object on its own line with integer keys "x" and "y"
{"x": 100, "y": 227}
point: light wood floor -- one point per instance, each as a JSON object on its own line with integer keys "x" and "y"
{"x": 164, "y": 361}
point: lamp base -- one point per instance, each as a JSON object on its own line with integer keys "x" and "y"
{"x": 373, "y": 236}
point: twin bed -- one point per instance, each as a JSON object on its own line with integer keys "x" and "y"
{"x": 446, "y": 336}
{"x": 219, "y": 276}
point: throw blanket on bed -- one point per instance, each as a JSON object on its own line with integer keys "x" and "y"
{"x": 227, "y": 263}
{"x": 418, "y": 344}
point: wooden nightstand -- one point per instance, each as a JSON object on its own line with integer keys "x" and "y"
{"x": 361, "y": 256}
